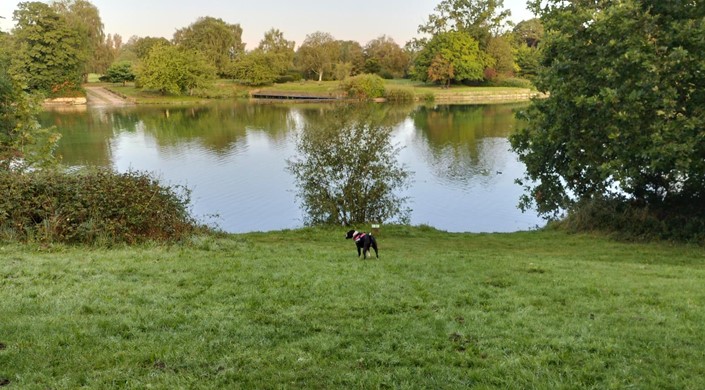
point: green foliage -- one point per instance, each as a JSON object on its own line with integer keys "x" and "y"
{"x": 529, "y": 33}
{"x": 501, "y": 56}
{"x": 460, "y": 54}
{"x": 317, "y": 54}
{"x": 255, "y": 68}
{"x": 363, "y": 87}
{"x": 91, "y": 206}
{"x": 347, "y": 171}
{"x": 170, "y": 69}
{"x": 49, "y": 53}
{"x": 119, "y": 72}
{"x": 626, "y": 220}
{"x": 481, "y": 19}
{"x": 624, "y": 115}
{"x": 513, "y": 82}
{"x": 451, "y": 56}
{"x": 218, "y": 41}
{"x": 389, "y": 58}
{"x": 23, "y": 142}
{"x": 399, "y": 95}
{"x": 84, "y": 17}
{"x": 528, "y": 61}
{"x": 142, "y": 46}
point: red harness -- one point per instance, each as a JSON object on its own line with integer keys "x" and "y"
{"x": 359, "y": 236}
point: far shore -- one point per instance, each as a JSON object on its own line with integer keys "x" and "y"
{"x": 296, "y": 91}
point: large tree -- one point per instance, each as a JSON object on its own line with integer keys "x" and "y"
{"x": 317, "y": 54}
{"x": 220, "y": 42}
{"x": 481, "y": 19}
{"x": 624, "y": 115}
{"x": 49, "y": 53}
{"x": 84, "y": 17}
{"x": 23, "y": 142}
{"x": 275, "y": 52}
{"x": 455, "y": 54}
{"x": 175, "y": 70}
{"x": 392, "y": 60}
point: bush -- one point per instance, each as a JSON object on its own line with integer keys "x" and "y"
{"x": 91, "y": 206}
{"x": 515, "y": 82}
{"x": 363, "y": 87}
{"x": 632, "y": 221}
{"x": 400, "y": 95}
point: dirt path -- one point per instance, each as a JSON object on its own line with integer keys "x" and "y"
{"x": 99, "y": 96}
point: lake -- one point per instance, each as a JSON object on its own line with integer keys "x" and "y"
{"x": 233, "y": 155}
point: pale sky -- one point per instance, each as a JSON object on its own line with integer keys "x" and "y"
{"x": 358, "y": 20}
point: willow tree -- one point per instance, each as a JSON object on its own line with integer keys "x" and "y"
{"x": 217, "y": 40}
{"x": 347, "y": 170}
{"x": 624, "y": 116}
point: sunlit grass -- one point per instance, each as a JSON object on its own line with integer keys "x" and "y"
{"x": 297, "y": 309}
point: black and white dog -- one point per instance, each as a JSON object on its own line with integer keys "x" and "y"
{"x": 363, "y": 241}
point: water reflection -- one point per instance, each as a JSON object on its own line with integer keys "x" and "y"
{"x": 233, "y": 155}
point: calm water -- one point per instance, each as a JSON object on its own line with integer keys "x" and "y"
{"x": 234, "y": 156}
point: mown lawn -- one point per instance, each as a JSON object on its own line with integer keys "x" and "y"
{"x": 297, "y": 309}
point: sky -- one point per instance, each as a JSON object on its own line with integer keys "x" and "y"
{"x": 357, "y": 20}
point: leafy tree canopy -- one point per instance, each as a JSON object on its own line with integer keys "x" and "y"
{"x": 49, "y": 53}
{"x": 84, "y": 17}
{"x": 171, "y": 69}
{"x": 454, "y": 53}
{"x": 479, "y": 18}
{"x": 219, "y": 41}
{"x": 393, "y": 61}
{"x": 317, "y": 54}
{"x": 624, "y": 118}
{"x": 347, "y": 170}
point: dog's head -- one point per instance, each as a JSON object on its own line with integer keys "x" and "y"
{"x": 350, "y": 234}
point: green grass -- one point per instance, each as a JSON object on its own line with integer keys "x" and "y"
{"x": 227, "y": 89}
{"x": 297, "y": 309}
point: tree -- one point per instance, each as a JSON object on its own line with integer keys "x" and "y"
{"x": 529, "y": 32}
{"x": 84, "y": 17}
{"x": 275, "y": 52}
{"x": 481, "y": 19}
{"x": 454, "y": 51}
{"x": 623, "y": 119}
{"x": 170, "y": 69}
{"x": 441, "y": 71}
{"x": 392, "y": 60}
{"x": 49, "y": 54}
{"x": 218, "y": 41}
{"x": 351, "y": 59}
{"x": 23, "y": 142}
{"x": 317, "y": 54}
{"x": 255, "y": 68}
{"x": 347, "y": 172}
{"x": 119, "y": 72}
{"x": 501, "y": 57}
{"x": 142, "y": 46}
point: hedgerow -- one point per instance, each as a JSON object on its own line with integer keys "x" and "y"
{"x": 92, "y": 206}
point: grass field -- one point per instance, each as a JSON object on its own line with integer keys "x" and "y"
{"x": 297, "y": 309}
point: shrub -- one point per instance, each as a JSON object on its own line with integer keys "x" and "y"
{"x": 91, "y": 206}
{"x": 363, "y": 87}
{"x": 514, "y": 82}
{"x": 400, "y": 95}
{"x": 634, "y": 221}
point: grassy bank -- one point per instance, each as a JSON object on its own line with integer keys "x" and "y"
{"x": 227, "y": 89}
{"x": 297, "y": 309}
